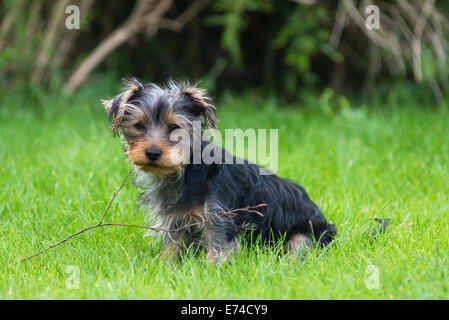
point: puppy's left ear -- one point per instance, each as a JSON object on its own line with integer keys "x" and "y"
{"x": 202, "y": 105}
{"x": 116, "y": 107}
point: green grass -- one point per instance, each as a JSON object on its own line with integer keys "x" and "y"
{"x": 60, "y": 166}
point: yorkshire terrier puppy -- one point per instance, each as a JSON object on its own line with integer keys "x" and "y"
{"x": 180, "y": 191}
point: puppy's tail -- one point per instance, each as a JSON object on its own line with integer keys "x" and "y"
{"x": 327, "y": 235}
{"x": 324, "y": 233}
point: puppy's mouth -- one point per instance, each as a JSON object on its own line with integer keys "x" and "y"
{"x": 151, "y": 165}
{"x": 158, "y": 168}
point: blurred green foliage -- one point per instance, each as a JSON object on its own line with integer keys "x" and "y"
{"x": 303, "y": 37}
{"x": 282, "y": 47}
{"x": 230, "y": 17}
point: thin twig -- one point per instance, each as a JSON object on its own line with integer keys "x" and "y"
{"x": 124, "y": 184}
{"x": 156, "y": 229}
{"x": 61, "y": 242}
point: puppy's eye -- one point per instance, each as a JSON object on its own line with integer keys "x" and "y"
{"x": 140, "y": 126}
{"x": 173, "y": 127}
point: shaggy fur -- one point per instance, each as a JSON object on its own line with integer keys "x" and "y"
{"x": 179, "y": 192}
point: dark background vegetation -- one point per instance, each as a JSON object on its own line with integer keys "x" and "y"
{"x": 362, "y": 122}
{"x": 279, "y": 47}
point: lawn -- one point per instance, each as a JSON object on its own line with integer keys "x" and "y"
{"x": 385, "y": 157}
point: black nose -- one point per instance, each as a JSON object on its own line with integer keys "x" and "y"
{"x": 153, "y": 154}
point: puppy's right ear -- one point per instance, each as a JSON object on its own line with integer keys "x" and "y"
{"x": 116, "y": 107}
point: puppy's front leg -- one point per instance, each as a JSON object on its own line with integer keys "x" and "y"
{"x": 218, "y": 255}
{"x": 219, "y": 247}
{"x": 297, "y": 245}
{"x": 171, "y": 250}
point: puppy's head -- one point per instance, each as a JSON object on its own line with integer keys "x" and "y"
{"x": 149, "y": 116}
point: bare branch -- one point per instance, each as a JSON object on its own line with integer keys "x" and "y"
{"x": 308, "y": 2}
{"x": 339, "y": 24}
{"x": 5, "y": 27}
{"x": 138, "y": 20}
{"x": 8, "y": 21}
{"x": 156, "y": 229}
{"x": 377, "y": 37}
{"x": 177, "y": 24}
{"x": 51, "y": 34}
{"x": 417, "y": 35}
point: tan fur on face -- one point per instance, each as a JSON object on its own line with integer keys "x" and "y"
{"x": 176, "y": 119}
{"x": 170, "y": 161}
{"x": 129, "y": 126}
